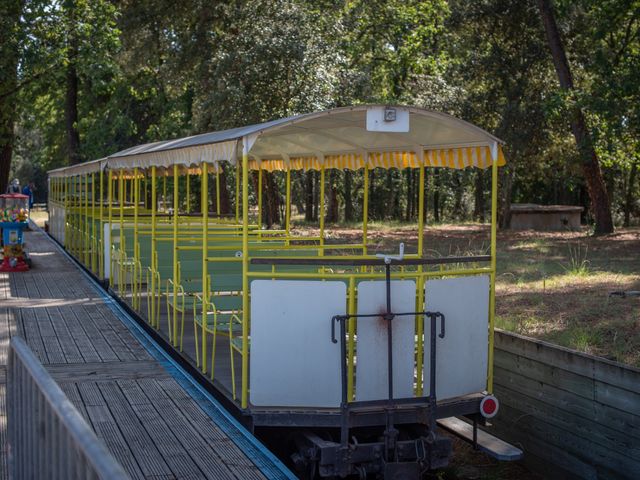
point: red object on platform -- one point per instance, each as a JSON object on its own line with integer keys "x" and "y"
{"x": 21, "y": 266}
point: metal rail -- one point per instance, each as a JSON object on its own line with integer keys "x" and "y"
{"x": 339, "y": 260}
{"x": 48, "y": 438}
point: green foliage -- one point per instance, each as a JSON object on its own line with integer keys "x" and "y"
{"x": 154, "y": 69}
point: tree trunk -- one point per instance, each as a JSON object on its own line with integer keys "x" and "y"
{"x": 505, "y": 181}
{"x": 71, "y": 93}
{"x": 457, "y": 185}
{"x": 348, "y": 199}
{"x": 426, "y": 195}
{"x": 478, "y": 210}
{"x": 390, "y": 195}
{"x": 308, "y": 207}
{"x": 590, "y": 164}
{"x": 415, "y": 199}
{"x": 436, "y": 195}
{"x": 316, "y": 195}
{"x": 225, "y": 201}
{"x": 407, "y": 212}
{"x": 298, "y": 192}
{"x": 333, "y": 206}
{"x": 628, "y": 203}
{"x": 10, "y": 11}
{"x": 272, "y": 200}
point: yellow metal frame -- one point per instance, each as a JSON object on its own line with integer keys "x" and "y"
{"x": 85, "y": 215}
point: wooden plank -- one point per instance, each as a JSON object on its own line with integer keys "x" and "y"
{"x": 144, "y": 450}
{"x": 72, "y": 393}
{"x": 594, "y": 390}
{"x": 103, "y": 326}
{"x": 32, "y": 334}
{"x": 90, "y": 394}
{"x": 177, "y": 458}
{"x": 546, "y": 432}
{"x": 215, "y": 438}
{"x": 606, "y": 371}
{"x": 545, "y": 459}
{"x": 82, "y": 340}
{"x": 619, "y": 398}
{"x": 548, "y": 374}
{"x": 69, "y": 348}
{"x": 598, "y": 433}
{"x": 179, "y": 409}
{"x": 106, "y": 371}
{"x": 491, "y": 445}
{"x": 106, "y": 428}
{"x": 585, "y": 408}
{"x": 47, "y": 335}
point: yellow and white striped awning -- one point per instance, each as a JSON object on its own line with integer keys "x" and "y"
{"x": 457, "y": 158}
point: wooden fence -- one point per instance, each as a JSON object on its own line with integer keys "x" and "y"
{"x": 573, "y": 414}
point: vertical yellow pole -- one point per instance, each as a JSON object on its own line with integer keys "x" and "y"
{"x": 136, "y": 201}
{"x": 218, "y": 208}
{"x": 421, "y": 212}
{"x": 72, "y": 215}
{"x": 352, "y": 336}
{"x": 204, "y": 202}
{"x": 238, "y": 192}
{"x": 81, "y": 227}
{"x": 245, "y": 272}
{"x": 420, "y": 286}
{"x": 94, "y": 239}
{"x": 164, "y": 191}
{"x": 321, "y": 210}
{"x": 176, "y": 199}
{"x": 492, "y": 292}
{"x": 110, "y": 215}
{"x": 85, "y": 254}
{"x": 65, "y": 187}
{"x": 74, "y": 231}
{"x": 101, "y": 227}
{"x": 260, "y": 196}
{"x": 365, "y": 207}
{"x": 188, "y": 192}
{"x": 79, "y": 223}
{"x": 287, "y": 210}
{"x": 154, "y": 206}
{"x": 122, "y": 254}
{"x": 121, "y": 208}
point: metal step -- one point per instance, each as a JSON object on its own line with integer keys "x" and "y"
{"x": 492, "y": 446}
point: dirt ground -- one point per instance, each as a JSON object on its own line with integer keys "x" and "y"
{"x": 554, "y": 286}
{"x": 469, "y": 464}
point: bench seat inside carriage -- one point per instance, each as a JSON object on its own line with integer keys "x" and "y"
{"x": 295, "y": 330}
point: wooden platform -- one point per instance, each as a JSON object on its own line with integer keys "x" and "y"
{"x": 149, "y": 414}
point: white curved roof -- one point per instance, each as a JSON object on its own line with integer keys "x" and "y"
{"x": 331, "y": 132}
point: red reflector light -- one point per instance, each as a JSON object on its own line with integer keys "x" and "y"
{"x": 489, "y": 406}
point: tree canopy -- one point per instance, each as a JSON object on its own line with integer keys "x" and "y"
{"x": 81, "y": 79}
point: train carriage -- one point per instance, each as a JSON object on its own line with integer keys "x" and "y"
{"x": 356, "y": 356}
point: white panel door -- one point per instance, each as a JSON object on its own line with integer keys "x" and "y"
{"x": 461, "y": 356}
{"x": 371, "y": 348}
{"x": 293, "y": 361}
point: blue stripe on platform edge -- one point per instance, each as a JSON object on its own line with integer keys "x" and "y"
{"x": 266, "y": 461}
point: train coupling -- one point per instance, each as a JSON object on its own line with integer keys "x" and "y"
{"x": 409, "y": 460}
